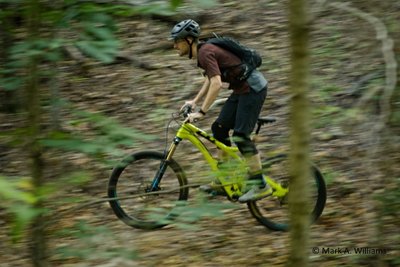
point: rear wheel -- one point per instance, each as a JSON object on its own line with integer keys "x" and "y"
{"x": 130, "y": 184}
{"x": 274, "y": 213}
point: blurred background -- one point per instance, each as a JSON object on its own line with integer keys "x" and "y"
{"x": 84, "y": 83}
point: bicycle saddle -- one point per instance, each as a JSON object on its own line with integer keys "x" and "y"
{"x": 267, "y": 119}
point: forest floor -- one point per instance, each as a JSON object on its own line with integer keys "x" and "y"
{"x": 346, "y": 64}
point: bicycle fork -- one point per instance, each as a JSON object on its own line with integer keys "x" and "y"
{"x": 163, "y": 165}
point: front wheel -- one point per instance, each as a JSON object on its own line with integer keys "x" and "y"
{"x": 274, "y": 213}
{"x": 135, "y": 198}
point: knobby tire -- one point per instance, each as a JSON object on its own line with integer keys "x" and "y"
{"x": 129, "y": 184}
{"x": 275, "y": 216}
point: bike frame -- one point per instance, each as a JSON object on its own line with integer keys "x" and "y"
{"x": 190, "y": 132}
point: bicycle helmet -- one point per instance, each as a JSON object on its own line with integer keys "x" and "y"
{"x": 184, "y": 29}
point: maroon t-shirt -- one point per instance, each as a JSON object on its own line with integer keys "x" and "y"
{"x": 217, "y": 61}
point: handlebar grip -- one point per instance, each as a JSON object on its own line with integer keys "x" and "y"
{"x": 186, "y": 111}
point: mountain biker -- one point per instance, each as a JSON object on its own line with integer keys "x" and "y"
{"x": 241, "y": 110}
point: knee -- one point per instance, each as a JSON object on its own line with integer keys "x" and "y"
{"x": 221, "y": 133}
{"x": 244, "y": 143}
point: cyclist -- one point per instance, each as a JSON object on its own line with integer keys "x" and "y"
{"x": 241, "y": 110}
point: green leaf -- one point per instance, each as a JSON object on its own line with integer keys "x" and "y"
{"x": 11, "y": 1}
{"x": 100, "y": 17}
{"x": 123, "y": 11}
{"x": 176, "y": 3}
{"x": 104, "y": 51}
{"x": 74, "y": 145}
{"x": 92, "y": 243}
{"x": 53, "y": 56}
{"x": 10, "y": 191}
{"x": 11, "y": 83}
{"x": 18, "y": 202}
{"x": 23, "y": 215}
{"x": 52, "y": 16}
{"x": 101, "y": 33}
{"x": 76, "y": 178}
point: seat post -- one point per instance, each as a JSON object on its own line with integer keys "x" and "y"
{"x": 262, "y": 120}
{"x": 259, "y": 124}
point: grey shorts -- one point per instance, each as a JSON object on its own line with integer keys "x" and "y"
{"x": 241, "y": 111}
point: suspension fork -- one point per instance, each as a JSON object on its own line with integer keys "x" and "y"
{"x": 164, "y": 164}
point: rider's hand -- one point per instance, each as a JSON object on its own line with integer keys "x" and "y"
{"x": 190, "y": 103}
{"x": 193, "y": 117}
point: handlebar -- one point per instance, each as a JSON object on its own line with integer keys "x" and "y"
{"x": 186, "y": 111}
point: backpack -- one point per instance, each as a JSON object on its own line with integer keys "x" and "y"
{"x": 250, "y": 58}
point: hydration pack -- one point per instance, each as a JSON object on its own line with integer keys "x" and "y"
{"x": 250, "y": 58}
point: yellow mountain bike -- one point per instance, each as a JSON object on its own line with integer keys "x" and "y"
{"x": 147, "y": 188}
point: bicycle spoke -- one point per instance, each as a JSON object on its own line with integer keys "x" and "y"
{"x": 136, "y": 205}
{"x": 274, "y": 212}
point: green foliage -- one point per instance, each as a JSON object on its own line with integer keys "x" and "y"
{"x": 395, "y": 116}
{"x": 390, "y": 199}
{"x": 95, "y": 242}
{"x": 176, "y": 3}
{"x": 327, "y": 112}
{"x": 201, "y": 208}
{"x": 188, "y": 214}
{"x": 324, "y": 115}
{"x": 94, "y": 23}
{"x": 329, "y": 176}
{"x": 97, "y": 29}
{"x": 389, "y": 213}
{"x": 96, "y": 38}
{"x": 74, "y": 179}
{"x": 165, "y": 8}
{"x": 9, "y": 191}
{"x": 17, "y": 198}
{"x": 106, "y": 138}
{"x": 91, "y": 26}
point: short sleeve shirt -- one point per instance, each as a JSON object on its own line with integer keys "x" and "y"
{"x": 215, "y": 61}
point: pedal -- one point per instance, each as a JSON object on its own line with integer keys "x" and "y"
{"x": 234, "y": 198}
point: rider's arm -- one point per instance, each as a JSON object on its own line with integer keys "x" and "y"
{"x": 203, "y": 91}
{"x": 212, "y": 93}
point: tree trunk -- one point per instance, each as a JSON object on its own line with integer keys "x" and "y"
{"x": 9, "y": 100}
{"x": 300, "y": 132}
{"x": 38, "y": 235}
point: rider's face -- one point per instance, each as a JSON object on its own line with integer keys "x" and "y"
{"x": 182, "y": 47}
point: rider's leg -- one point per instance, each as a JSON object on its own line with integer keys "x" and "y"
{"x": 221, "y": 133}
{"x": 253, "y": 159}
{"x": 224, "y": 123}
{"x": 248, "y": 110}
{"x": 249, "y": 106}
{"x": 254, "y": 163}
{"x": 220, "y": 129}
{"x": 256, "y": 186}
